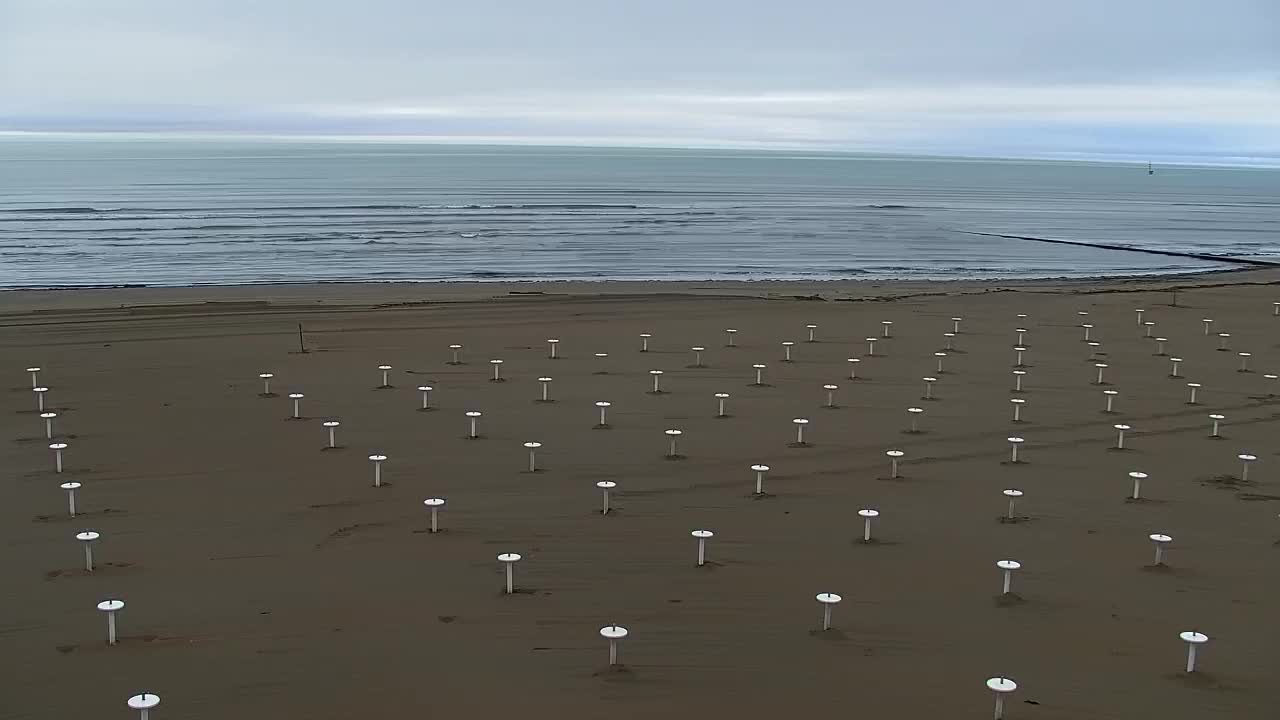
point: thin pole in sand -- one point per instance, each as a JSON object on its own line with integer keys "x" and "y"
{"x": 434, "y": 504}
{"x": 532, "y": 447}
{"x": 657, "y": 374}
{"x": 1223, "y": 338}
{"x": 1017, "y": 408}
{"x": 1245, "y": 459}
{"x": 497, "y": 371}
{"x": 955, "y": 324}
{"x": 1193, "y": 387}
{"x": 941, "y": 356}
{"x": 1139, "y": 311}
{"x": 950, "y": 346}
{"x": 720, "y": 398}
{"x": 853, "y": 368}
{"x": 1093, "y": 351}
{"x": 426, "y": 397}
{"x": 546, "y": 389}
{"x": 509, "y": 560}
{"x": 674, "y": 435}
{"x": 605, "y": 486}
{"x": 604, "y": 406}
{"x": 871, "y": 347}
{"x": 1120, "y": 430}
{"x": 473, "y": 416}
{"x": 1271, "y": 379}
{"x": 1208, "y": 322}
{"x": 87, "y": 538}
{"x": 40, "y": 391}
{"x": 1275, "y": 309}
{"x": 111, "y": 607}
{"x": 786, "y": 347}
{"x": 1192, "y": 639}
{"x": 455, "y": 350}
{"x": 812, "y": 333}
{"x": 697, "y": 356}
{"x": 35, "y": 381}
{"x": 1111, "y": 396}
{"x": 1087, "y": 329}
{"x": 266, "y": 385}
{"x": 551, "y": 352}
{"x": 386, "y": 381}
{"x": 1001, "y": 687}
{"x": 928, "y": 388}
{"x": 332, "y": 426}
{"x": 1173, "y": 373}
{"x": 1017, "y": 380}
{"x": 759, "y": 367}
{"x": 1022, "y": 333}
{"x": 1018, "y": 361}
{"x": 1216, "y": 418}
{"x": 297, "y": 399}
{"x": 831, "y": 395}
{"x": 71, "y": 488}
{"x": 377, "y": 461}
{"x": 885, "y": 326}
{"x": 1007, "y": 567}
{"x": 143, "y": 703}
{"x": 867, "y": 516}
{"x": 1160, "y": 343}
{"x": 1159, "y": 540}
{"x": 800, "y": 423}
{"x": 702, "y": 536}
{"x": 57, "y": 449}
{"x": 48, "y": 424}
{"x": 1101, "y": 368}
{"x": 1244, "y": 362}
{"x": 602, "y": 357}
{"x": 644, "y": 341}
{"x": 760, "y": 471}
{"x": 1013, "y": 496}
{"x": 1137, "y": 478}
{"x": 828, "y": 600}
{"x": 613, "y": 633}
{"x": 894, "y": 457}
{"x": 1014, "y": 442}
{"x": 915, "y": 414}
{"x": 729, "y": 333}
{"x": 1149, "y": 325}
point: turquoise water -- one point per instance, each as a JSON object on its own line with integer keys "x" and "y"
{"x": 80, "y": 213}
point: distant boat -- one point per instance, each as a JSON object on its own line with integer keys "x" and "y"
{"x": 469, "y": 235}
{"x": 1150, "y": 171}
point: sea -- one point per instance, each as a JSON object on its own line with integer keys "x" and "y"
{"x": 83, "y": 213}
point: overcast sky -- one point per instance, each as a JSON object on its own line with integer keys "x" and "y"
{"x": 1167, "y": 78}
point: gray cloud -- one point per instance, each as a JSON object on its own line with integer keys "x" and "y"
{"x": 933, "y": 75}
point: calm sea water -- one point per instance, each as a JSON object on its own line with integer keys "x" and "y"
{"x": 78, "y": 213}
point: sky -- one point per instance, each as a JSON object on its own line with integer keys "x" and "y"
{"x": 1064, "y": 78}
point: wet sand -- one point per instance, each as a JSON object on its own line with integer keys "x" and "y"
{"x": 267, "y": 577}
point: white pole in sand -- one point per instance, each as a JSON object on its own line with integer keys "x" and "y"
{"x": 1270, "y": 382}
{"x": 1222, "y": 342}
{"x": 1193, "y": 387}
{"x": 605, "y": 486}
{"x": 497, "y": 371}
{"x": 88, "y": 537}
{"x": 831, "y": 395}
{"x": 1192, "y": 639}
{"x": 1216, "y": 418}
{"x": 1008, "y": 566}
{"x": 1139, "y": 311}
{"x": 644, "y": 341}
{"x": 1245, "y": 459}
{"x": 1149, "y": 325}
{"x": 1207, "y": 323}
{"x": 1176, "y": 362}
{"x": 1244, "y": 361}
{"x": 546, "y": 389}
{"x": 602, "y": 357}
{"x": 812, "y": 329}
{"x": 760, "y": 470}
{"x": 1137, "y": 478}
{"x": 1017, "y": 408}
{"x": 729, "y": 333}
{"x": 697, "y": 356}
{"x": 332, "y": 426}
{"x": 473, "y": 416}
{"x": 552, "y": 343}
{"x": 48, "y": 424}
{"x": 1111, "y": 396}
{"x": 1013, "y": 496}
{"x": 1159, "y": 540}
{"x": 435, "y": 504}
{"x": 143, "y": 704}
{"x": 455, "y": 349}
{"x": 40, "y": 391}
{"x": 532, "y": 447}
{"x": 613, "y": 633}
{"x": 111, "y": 607}
{"x": 71, "y": 488}
{"x": 1120, "y": 429}
{"x": 1275, "y": 309}
{"x": 1018, "y": 362}
{"x": 377, "y": 461}
{"x": 702, "y": 536}
{"x": 509, "y": 560}
{"x": 853, "y": 368}
{"x": 1087, "y": 329}
{"x": 828, "y": 600}
{"x": 1014, "y": 442}
{"x": 941, "y": 356}
{"x": 950, "y": 336}
{"x": 885, "y": 326}
{"x": 894, "y": 456}
{"x": 1160, "y": 343}
{"x": 266, "y": 384}
{"x": 1017, "y": 379}
{"x": 800, "y": 423}
{"x": 786, "y": 347}
{"x": 720, "y": 398}
{"x": 1093, "y": 350}
{"x": 604, "y": 406}
{"x": 426, "y": 397}
{"x": 759, "y": 367}
{"x": 57, "y": 449}
{"x": 1101, "y": 368}
{"x": 1001, "y": 687}
{"x": 867, "y": 516}
{"x": 955, "y": 324}
{"x": 656, "y": 375}
{"x": 871, "y": 347}
{"x": 674, "y": 434}
{"x": 928, "y": 388}
{"x": 386, "y": 380}
{"x": 35, "y": 371}
{"x": 297, "y": 399}
{"x": 915, "y": 413}
{"x": 1022, "y": 333}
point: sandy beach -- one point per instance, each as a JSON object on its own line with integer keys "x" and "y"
{"x": 266, "y": 577}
